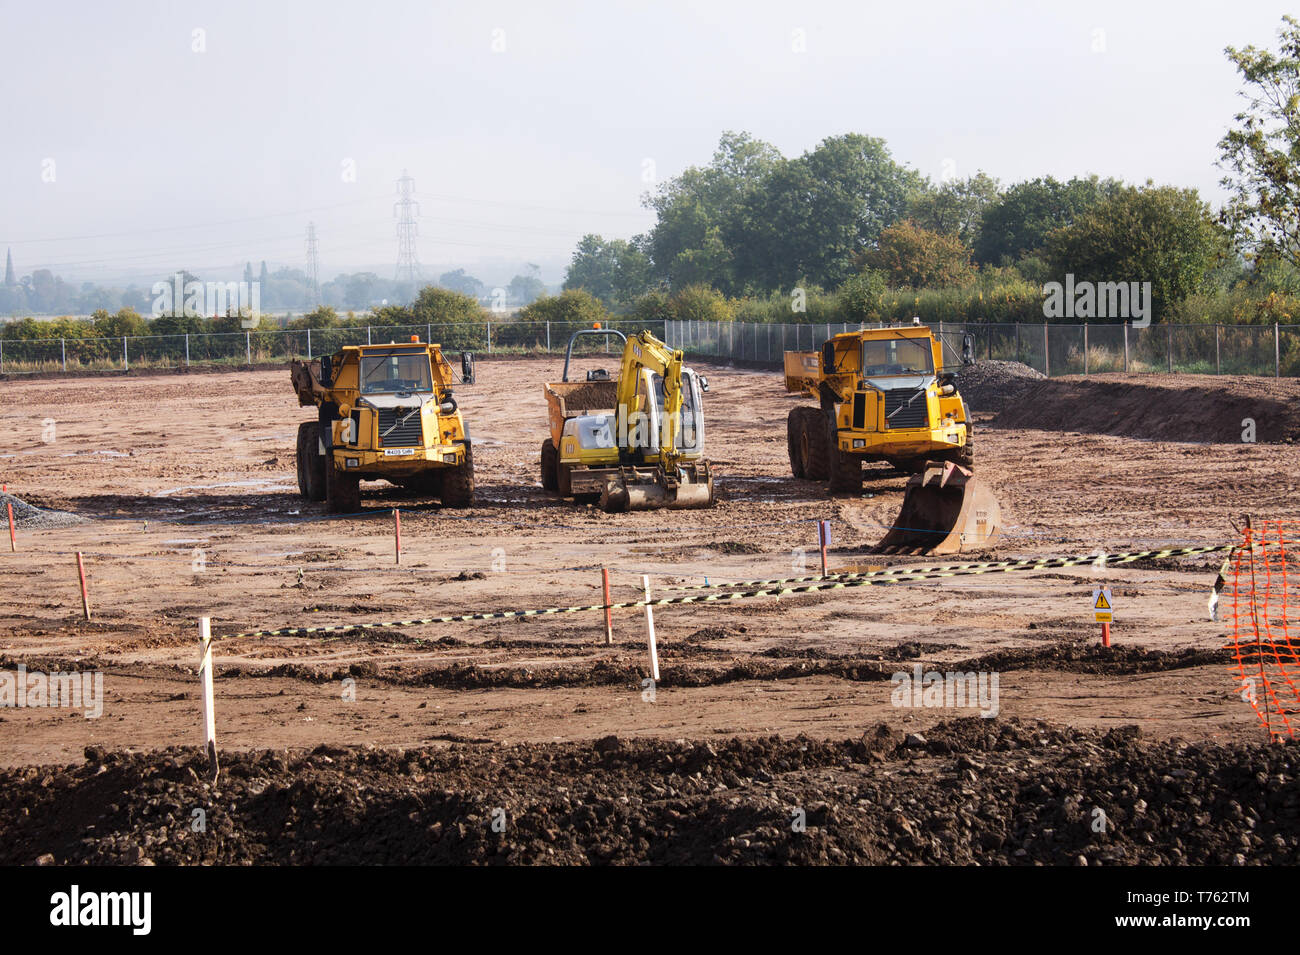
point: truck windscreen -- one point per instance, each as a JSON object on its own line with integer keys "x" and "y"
{"x": 884, "y": 357}
{"x": 396, "y": 370}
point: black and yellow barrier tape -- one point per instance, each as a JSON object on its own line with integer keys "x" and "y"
{"x": 1044, "y": 563}
{"x": 843, "y": 583}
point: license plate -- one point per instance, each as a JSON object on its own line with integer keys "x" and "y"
{"x": 398, "y": 452}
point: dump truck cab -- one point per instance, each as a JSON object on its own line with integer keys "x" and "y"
{"x": 889, "y": 394}
{"x": 385, "y": 412}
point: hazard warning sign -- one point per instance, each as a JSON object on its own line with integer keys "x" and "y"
{"x": 1102, "y": 605}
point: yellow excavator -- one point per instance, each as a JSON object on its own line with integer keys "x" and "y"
{"x": 631, "y": 443}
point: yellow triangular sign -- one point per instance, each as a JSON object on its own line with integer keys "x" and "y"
{"x": 1102, "y": 602}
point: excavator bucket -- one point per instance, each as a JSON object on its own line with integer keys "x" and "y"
{"x": 946, "y": 510}
{"x": 649, "y": 488}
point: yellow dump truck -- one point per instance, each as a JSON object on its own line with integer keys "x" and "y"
{"x": 885, "y": 394}
{"x": 384, "y": 412}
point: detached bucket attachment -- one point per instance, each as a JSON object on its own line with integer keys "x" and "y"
{"x": 946, "y": 510}
{"x": 650, "y": 488}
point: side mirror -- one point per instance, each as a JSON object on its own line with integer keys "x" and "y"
{"x": 326, "y": 370}
{"x": 968, "y": 349}
{"x": 704, "y": 384}
{"x": 467, "y": 367}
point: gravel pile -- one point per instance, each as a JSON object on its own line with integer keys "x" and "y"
{"x": 30, "y": 517}
{"x": 992, "y": 385}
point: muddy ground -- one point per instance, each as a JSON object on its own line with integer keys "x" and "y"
{"x": 187, "y": 484}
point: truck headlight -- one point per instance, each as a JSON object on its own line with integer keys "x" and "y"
{"x": 859, "y": 442}
{"x": 449, "y": 459}
{"x": 353, "y": 462}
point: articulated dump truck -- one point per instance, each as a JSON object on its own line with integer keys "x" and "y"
{"x": 384, "y": 412}
{"x": 884, "y": 394}
{"x": 631, "y": 443}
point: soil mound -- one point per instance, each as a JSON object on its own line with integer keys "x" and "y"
{"x": 1180, "y": 408}
{"x": 984, "y": 791}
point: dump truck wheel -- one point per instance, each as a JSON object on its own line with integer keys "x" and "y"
{"x": 311, "y": 478}
{"x": 550, "y": 466}
{"x": 563, "y": 483}
{"x": 846, "y": 471}
{"x": 816, "y": 445}
{"x": 794, "y": 442}
{"x": 342, "y": 491}
{"x": 966, "y": 456}
{"x": 300, "y": 460}
{"x": 458, "y": 482}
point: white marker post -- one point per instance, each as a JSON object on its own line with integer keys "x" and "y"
{"x": 650, "y": 628}
{"x": 205, "y": 680}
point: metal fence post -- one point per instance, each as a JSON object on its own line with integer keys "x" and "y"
{"x": 1216, "y": 349}
{"x": 126, "y": 361}
{"x": 309, "y": 344}
{"x": 63, "y": 347}
{"x": 428, "y": 333}
{"x": 1277, "y": 351}
{"x": 1170, "y": 347}
{"x": 489, "y": 337}
{"x": 1017, "y": 341}
{"x": 1086, "y": 363}
{"x": 248, "y": 347}
{"x": 368, "y": 335}
{"x": 187, "y": 349}
{"x": 548, "y": 335}
{"x": 1047, "y": 355}
{"x": 1126, "y": 346}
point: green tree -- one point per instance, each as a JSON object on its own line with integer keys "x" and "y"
{"x": 615, "y": 271}
{"x": 956, "y": 207}
{"x": 861, "y": 297}
{"x": 526, "y": 289}
{"x": 460, "y": 281}
{"x": 1261, "y": 154}
{"x": 1162, "y": 235}
{"x": 574, "y": 306}
{"x": 1019, "y": 222}
{"x": 440, "y": 306}
{"x": 911, "y": 257}
{"x": 814, "y": 215}
{"x": 698, "y": 213}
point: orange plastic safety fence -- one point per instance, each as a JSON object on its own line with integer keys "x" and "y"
{"x": 1264, "y": 588}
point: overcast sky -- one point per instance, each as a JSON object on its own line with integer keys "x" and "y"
{"x": 526, "y": 125}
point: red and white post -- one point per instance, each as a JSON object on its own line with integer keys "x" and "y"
{"x": 650, "y": 629}
{"x": 397, "y": 531}
{"x": 609, "y": 614}
{"x": 85, "y": 599}
{"x": 209, "y": 710}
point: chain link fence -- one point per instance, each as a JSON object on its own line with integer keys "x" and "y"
{"x": 269, "y": 346}
{"x": 1049, "y": 348}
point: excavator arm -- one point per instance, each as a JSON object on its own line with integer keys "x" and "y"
{"x": 645, "y": 351}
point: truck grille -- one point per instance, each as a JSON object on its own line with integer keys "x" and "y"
{"x": 914, "y": 416}
{"x": 407, "y": 434}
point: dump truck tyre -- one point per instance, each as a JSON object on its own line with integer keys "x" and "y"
{"x": 342, "y": 491}
{"x": 550, "y": 466}
{"x": 458, "y": 482}
{"x": 816, "y": 440}
{"x": 300, "y": 460}
{"x": 794, "y": 442}
{"x": 311, "y": 479}
{"x": 846, "y": 472}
